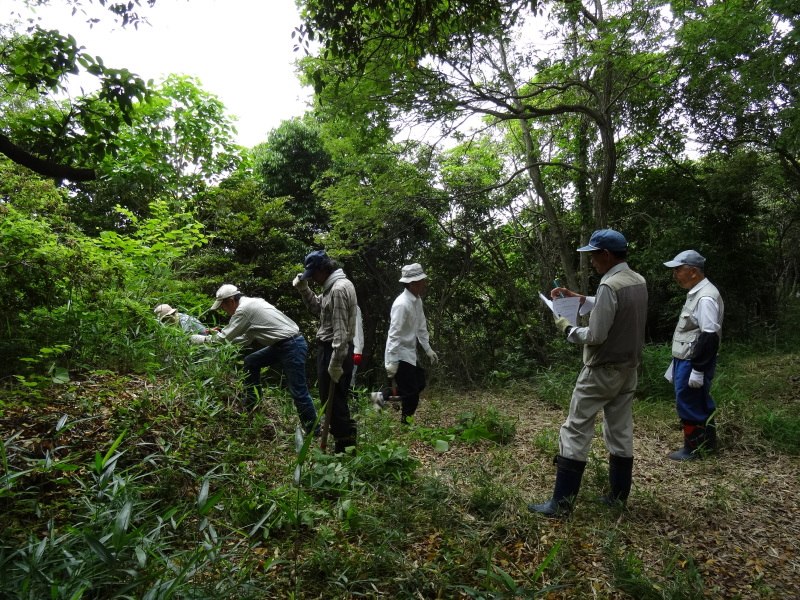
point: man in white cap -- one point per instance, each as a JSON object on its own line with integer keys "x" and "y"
{"x": 407, "y": 327}
{"x": 612, "y": 350}
{"x": 695, "y": 344}
{"x": 337, "y": 308}
{"x": 256, "y": 320}
{"x": 188, "y": 323}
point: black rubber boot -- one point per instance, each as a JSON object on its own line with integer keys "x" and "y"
{"x": 620, "y": 474}
{"x": 697, "y": 441}
{"x": 568, "y": 483}
{"x": 341, "y": 444}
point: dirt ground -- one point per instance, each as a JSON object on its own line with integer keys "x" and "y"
{"x": 731, "y": 518}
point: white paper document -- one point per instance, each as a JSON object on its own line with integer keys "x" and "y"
{"x": 564, "y": 307}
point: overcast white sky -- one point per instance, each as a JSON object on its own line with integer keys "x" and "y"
{"x": 241, "y": 50}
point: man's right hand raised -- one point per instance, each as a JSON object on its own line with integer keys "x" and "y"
{"x": 300, "y": 284}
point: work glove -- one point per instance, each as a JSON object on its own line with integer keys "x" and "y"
{"x": 432, "y": 356}
{"x": 356, "y": 359}
{"x": 335, "y": 373}
{"x": 391, "y": 369}
{"x": 198, "y": 339}
{"x": 669, "y": 376}
{"x": 300, "y": 284}
{"x": 696, "y": 379}
{"x": 563, "y": 325}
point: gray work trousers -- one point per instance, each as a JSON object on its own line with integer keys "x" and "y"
{"x": 607, "y": 388}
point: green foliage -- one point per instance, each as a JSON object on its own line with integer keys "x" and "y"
{"x": 782, "y": 429}
{"x": 499, "y": 584}
{"x": 652, "y": 387}
{"x": 681, "y": 579}
{"x": 63, "y": 288}
{"x": 116, "y": 538}
{"x": 490, "y": 424}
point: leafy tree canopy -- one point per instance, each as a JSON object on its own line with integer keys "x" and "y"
{"x": 68, "y": 140}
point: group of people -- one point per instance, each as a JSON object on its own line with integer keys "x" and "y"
{"x": 254, "y": 321}
{"x": 612, "y": 349}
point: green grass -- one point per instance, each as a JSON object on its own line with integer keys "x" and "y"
{"x": 165, "y": 490}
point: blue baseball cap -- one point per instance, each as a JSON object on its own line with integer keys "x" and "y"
{"x": 606, "y": 239}
{"x": 313, "y": 262}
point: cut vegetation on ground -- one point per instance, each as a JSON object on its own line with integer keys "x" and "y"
{"x": 131, "y": 487}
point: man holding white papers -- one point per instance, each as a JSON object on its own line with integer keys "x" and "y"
{"x": 612, "y": 350}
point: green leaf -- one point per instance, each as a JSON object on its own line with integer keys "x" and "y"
{"x": 99, "y": 549}
{"x": 121, "y": 525}
{"x": 61, "y": 376}
{"x": 211, "y": 502}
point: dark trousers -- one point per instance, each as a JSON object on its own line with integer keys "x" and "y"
{"x": 291, "y": 355}
{"x": 410, "y": 380}
{"x": 341, "y": 426}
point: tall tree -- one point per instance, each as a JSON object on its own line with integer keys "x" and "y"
{"x": 597, "y": 83}
{"x": 741, "y": 75}
{"x": 292, "y": 163}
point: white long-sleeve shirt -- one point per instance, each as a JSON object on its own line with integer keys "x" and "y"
{"x": 407, "y": 325}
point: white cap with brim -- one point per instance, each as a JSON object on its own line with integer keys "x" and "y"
{"x": 691, "y": 258}
{"x": 226, "y": 291}
{"x": 164, "y": 310}
{"x": 412, "y": 272}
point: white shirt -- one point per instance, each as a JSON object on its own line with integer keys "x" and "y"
{"x": 358, "y": 341}
{"x": 407, "y": 325}
{"x": 706, "y": 311}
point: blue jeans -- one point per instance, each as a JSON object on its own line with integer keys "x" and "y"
{"x": 694, "y": 404}
{"x": 291, "y": 354}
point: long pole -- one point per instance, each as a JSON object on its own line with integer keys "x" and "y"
{"x": 328, "y": 412}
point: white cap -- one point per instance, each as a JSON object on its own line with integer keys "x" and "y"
{"x": 226, "y": 291}
{"x": 164, "y": 310}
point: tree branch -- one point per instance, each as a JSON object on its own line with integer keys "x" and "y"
{"x": 43, "y": 167}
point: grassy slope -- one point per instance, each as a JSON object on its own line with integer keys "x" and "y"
{"x": 380, "y": 524}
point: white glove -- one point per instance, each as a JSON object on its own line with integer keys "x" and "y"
{"x": 696, "y": 379}
{"x": 335, "y": 373}
{"x": 669, "y": 376}
{"x": 563, "y": 325}
{"x": 391, "y": 369}
{"x": 432, "y": 355}
{"x": 199, "y": 339}
{"x": 300, "y": 284}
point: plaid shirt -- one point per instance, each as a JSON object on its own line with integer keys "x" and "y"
{"x": 337, "y": 308}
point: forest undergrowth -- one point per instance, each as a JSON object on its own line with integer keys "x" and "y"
{"x": 131, "y": 486}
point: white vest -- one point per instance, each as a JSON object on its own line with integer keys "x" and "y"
{"x": 687, "y": 331}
